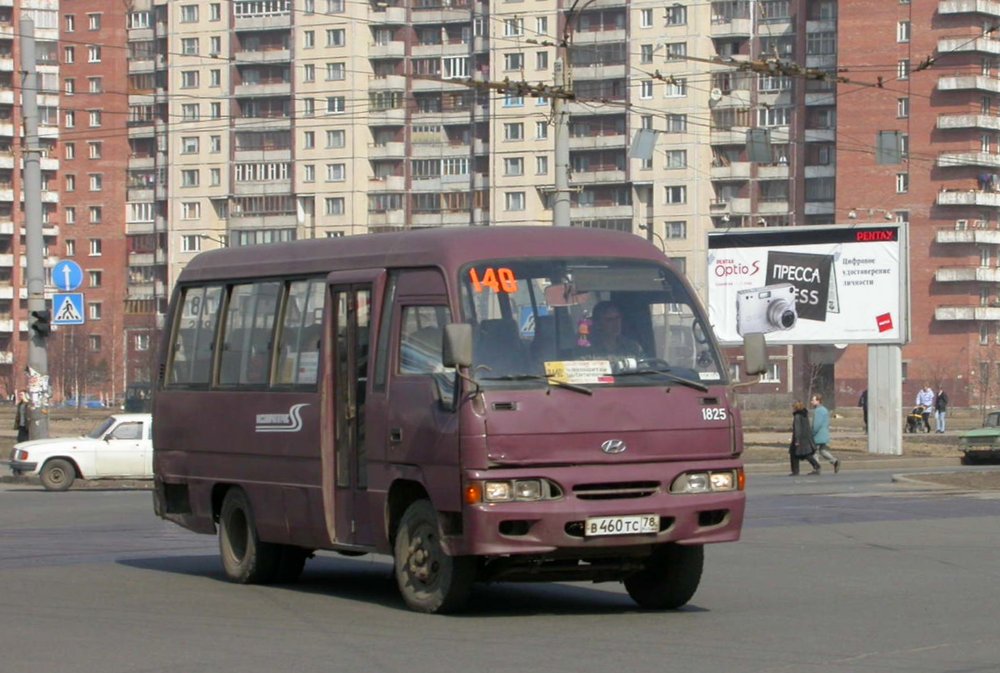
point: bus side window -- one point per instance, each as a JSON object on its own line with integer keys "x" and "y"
{"x": 420, "y": 339}
{"x": 191, "y": 356}
{"x": 301, "y": 333}
{"x": 246, "y": 339}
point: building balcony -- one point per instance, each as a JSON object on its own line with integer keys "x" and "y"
{"x": 262, "y": 123}
{"x": 145, "y": 194}
{"x": 957, "y": 159}
{"x": 6, "y": 65}
{"x": 773, "y": 207}
{"x": 148, "y": 227}
{"x": 270, "y": 187}
{"x": 983, "y": 45}
{"x": 968, "y": 82}
{"x": 976, "y": 274}
{"x": 977, "y": 313}
{"x": 777, "y": 172}
{"x": 390, "y": 183}
{"x": 263, "y": 89}
{"x": 818, "y": 208}
{"x": 6, "y": 260}
{"x": 731, "y": 206}
{"x": 439, "y": 118}
{"x": 7, "y": 161}
{"x": 441, "y": 219}
{"x": 989, "y": 122}
{"x": 822, "y": 62}
{"x": 971, "y": 197}
{"x": 598, "y": 142}
{"x": 991, "y": 7}
{"x": 598, "y": 177}
{"x": 828, "y": 171}
{"x": 387, "y": 218}
{"x": 7, "y": 326}
{"x": 387, "y": 83}
{"x": 143, "y": 130}
{"x": 390, "y": 117}
{"x": 588, "y": 109}
{"x": 821, "y": 99}
{"x": 584, "y": 38}
{"x": 438, "y": 15}
{"x": 265, "y": 21}
{"x": 391, "y": 150}
{"x": 6, "y": 357}
{"x": 262, "y": 155}
{"x": 600, "y": 212}
{"x": 6, "y": 129}
{"x": 731, "y": 28}
{"x": 138, "y": 66}
{"x": 821, "y": 135}
{"x": 731, "y": 136}
{"x": 394, "y": 49}
{"x": 733, "y": 98}
{"x": 387, "y": 16}
{"x": 7, "y": 292}
{"x": 737, "y": 170}
{"x": 968, "y": 236}
{"x": 263, "y": 56}
{"x": 439, "y": 50}
{"x": 600, "y": 72}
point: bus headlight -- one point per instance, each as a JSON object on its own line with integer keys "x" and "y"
{"x": 707, "y": 482}
{"x": 515, "y": 490}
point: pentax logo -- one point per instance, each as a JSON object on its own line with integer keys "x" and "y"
{"x": 870, "y": 236}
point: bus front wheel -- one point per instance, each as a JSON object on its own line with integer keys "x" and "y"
{"x": 429, "y": 579}
{"x": 670, "y": 578}
{"x": 245, "y": 559}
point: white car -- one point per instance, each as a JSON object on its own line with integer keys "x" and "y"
{"x": 121, "y": 447}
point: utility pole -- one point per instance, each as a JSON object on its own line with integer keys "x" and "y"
{"x": 40, "y": 317}
{"x": 560, "y": 206}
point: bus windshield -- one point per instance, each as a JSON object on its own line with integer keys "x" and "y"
{"x": 601, "y": 322}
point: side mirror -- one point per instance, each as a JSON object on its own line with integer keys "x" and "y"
{"x": 754, "y": 353}
{"x": 457, "y": 347}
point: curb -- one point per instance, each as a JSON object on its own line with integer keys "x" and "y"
{"x": 864, "y": 464}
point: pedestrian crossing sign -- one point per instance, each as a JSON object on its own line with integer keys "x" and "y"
{"x": 67, "y": 308}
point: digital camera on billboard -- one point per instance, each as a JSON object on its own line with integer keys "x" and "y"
{"x": 766, "y": 309}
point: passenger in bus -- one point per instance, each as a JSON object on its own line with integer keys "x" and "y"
{"x": 606, "y": 336}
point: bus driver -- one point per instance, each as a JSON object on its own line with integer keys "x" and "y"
{"x": 606, "y": 336}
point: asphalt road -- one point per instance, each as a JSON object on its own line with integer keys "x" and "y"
{"x": 842, "y": 574}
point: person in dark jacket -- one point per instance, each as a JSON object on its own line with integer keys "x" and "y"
{"x": 21, "y": 417}
{"x": 802, "y": 446}
{"x": 941, "y": 409}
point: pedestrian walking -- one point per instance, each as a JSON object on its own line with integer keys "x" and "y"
{"x": 802, "y": 446}
{"x": 941, "y": 409}
{"x": 925, "y": 399}
{"x": 863, "y": 403}
{"x": 821, "y": 431}
{"x": 21, "y": 417}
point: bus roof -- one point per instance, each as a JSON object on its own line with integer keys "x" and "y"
{"x": 448, "y": 247}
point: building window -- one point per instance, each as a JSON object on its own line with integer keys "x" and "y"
{"x": 542, "y": 60}
{"x": 70, "y": 23}
{"x": 189, "y": 46}
{"x": 334, "y": 205}
{"x": 190, "y": 177}
{"x": 308, "y": 72}
{"x": 95, "y": 149}
{"x": 190, "y": 210}
{"x": 95, "y": 214}
{"x": 675, "y": 229}
{"x": 215, "y": 46}
{"x": 96, "y": 182}
{"x": 70, "y": 183}
{"x": 215, "y": 177}
{"x": 903, "y": 108}
{"x": 69, "y": 54}
{"x": 95, "y": 84}
{"x": 903, "y": 31}
{"x": 646, "y": 89}
{"x": 645, "y": 53}
{"x": 513, "y": 27}
{"x": 94, "y": 342}
{"x": 676, "y": 159}
{"x": 189, "y": 13}
{"x": 69, "y": 86}
{"x": 94, "y": 278}
{"x": 189, "y": 145}
{"x": 646, "y": 18}
{"x": 215, "y": 12}
{"x": 215, "y": 110}
{"x": 309, "y": 173}
{"x": 141, "y": 342}
{"x": 514, "y": 131}
{"x": 308, "y": 39}
{"x": 514, "y": 201}
{"x": 95, "y": 247}
{"x": 191, "y": 243}
{"x": 309, "y": 140}
{"x": 336, "y": 104}
{"x": 903, "y": 69}
{"x": 675, "y": 194}
{"x": 541, "y": 130}
{"x": 70, "y": 214}
{"x": 514, "y": 61}
{"x": 335, "y": 37}
{"x": 93, "y": 53}
{"x": 335, "y": 72}
{"x": 69, "y": 119}
{"x": 336, "y": 173}
{"x": 70, "y": 248}
{"x": 336, "y": 139}
{"x": 189, "y": 79}
{"x": 215, "y": 78}
{"x": 542, "y": 165}
{"x": 513, "y": 166}
{"x": 676, "y": 51}
{"x": 677, "y": 87}
{"x": 190, "y": 112}
{"x": 676, "y": 123}
{"x": 94, "y": 118}
{"x": 215, "y": 144}
{"x": 676, "y": 15}
{"x": 902, "y": 183}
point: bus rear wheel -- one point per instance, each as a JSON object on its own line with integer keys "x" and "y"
{"x": 245, "y": 559}
{"x": 429, "y": 579}
{"x": 670, "y": 578}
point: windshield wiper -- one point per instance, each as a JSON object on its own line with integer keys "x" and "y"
{"x": 697, "y": 385}
{"x": 540, "y": 377}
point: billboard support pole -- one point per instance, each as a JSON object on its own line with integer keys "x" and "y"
{"x": 885, "y": 399}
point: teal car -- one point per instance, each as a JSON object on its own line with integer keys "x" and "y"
{"x": 982, "y": 444}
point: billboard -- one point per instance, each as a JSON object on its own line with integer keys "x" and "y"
{"x": 810, "y": 285}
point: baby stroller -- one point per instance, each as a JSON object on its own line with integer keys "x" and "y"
{"x": 915, "y": 420}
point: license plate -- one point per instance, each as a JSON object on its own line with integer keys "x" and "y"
{"x": 622, "y": 525}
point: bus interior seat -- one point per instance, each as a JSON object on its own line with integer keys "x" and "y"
{"x": 498, "y": 347}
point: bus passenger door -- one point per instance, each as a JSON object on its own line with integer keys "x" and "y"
{"x": 352, "y": 316}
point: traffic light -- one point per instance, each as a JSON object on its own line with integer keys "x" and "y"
{"x": 42, "y": 323}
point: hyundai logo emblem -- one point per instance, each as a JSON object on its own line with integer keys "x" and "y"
{"x": 613, "y": 446}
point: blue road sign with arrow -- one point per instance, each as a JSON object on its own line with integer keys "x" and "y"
{"x": 67, "y": 275}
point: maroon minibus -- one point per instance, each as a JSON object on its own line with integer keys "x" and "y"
{"x": 483, "y": 404}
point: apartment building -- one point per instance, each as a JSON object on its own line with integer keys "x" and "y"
{"x": 919, "y": 141}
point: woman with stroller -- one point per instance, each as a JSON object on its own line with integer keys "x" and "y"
{"x": 802, "y": 446}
